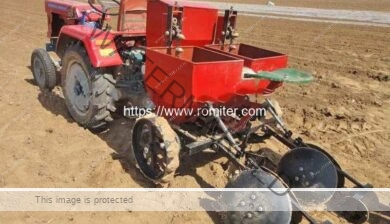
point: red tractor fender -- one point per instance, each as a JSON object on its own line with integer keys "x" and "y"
{"x": 99, "y": 44}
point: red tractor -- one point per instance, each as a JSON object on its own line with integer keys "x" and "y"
{"x": 167, "y": 56}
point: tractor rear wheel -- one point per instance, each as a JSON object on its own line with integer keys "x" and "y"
{"x": 87, "y": 90}
{"x": 155, "y": 149}
{"x": 43, "y": 69}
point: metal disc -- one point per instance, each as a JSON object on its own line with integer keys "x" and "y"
{"x": 341, "y": 177}
{"x": 258, "y": 206}
{"x": 309, "y": 168}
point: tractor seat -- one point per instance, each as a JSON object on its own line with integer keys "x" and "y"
{"x": 132, "y": 17}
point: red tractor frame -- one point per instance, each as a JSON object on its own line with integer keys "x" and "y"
{"x": 167, "y": 54}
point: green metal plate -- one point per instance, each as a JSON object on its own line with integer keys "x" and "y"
{"x": 288, "y": 75}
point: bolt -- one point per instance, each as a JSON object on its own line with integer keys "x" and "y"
{"x": 301, "y": 169}
{"x": 296, "y": 178}
{"x": 260, "y": 209}
{"x": 242, "y": 203}
{"x": 311, "y": 174}
{"x": 253, "y": 197}
{"x": 214, "y": 146}
{"x": 249, "y": 215}
{"x": 307, "y": 183}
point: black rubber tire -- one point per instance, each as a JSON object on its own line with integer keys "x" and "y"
{"x": 172, "y": 150}
{"x": 101, "y": 103}
{"x": 49, "y": 80}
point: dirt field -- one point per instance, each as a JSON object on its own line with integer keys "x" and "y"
{"x": 346, "y": 110}
{"x": 378, "y": 5}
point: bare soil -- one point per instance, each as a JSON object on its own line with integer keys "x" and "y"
{"x": 346, "y": 110}
{"x": 379, "y": 5}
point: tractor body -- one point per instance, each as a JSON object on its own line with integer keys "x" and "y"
{"x": 61, "y": 13}
{"x": 178, "y": 55}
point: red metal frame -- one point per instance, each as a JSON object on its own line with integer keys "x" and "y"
{"x": 132, "y": 16}
{"x": 99, "y": 44}
{"x": 69, "y": 11}
{"x": 203, "y": 72}
{"x": 198, "y": 75}
{"x": 199, "y": 23}
{"x": 257, "y": 59}
{"x": 181, "y": 81}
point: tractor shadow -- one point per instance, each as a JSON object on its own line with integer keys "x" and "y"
{"x": 31, "y": 82}
{"x": 196, "y": 161}
{"x": 117, "y": 137}
{"x": 381, "y": 217}
{"x": 188, "y": 167}
{"x": 53, "y": 102}
{"x": 271, "y": 158}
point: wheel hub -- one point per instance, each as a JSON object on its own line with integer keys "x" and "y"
{"x": 78, "y": 87}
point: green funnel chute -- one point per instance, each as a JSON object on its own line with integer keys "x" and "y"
{"x": 288, "y": 75}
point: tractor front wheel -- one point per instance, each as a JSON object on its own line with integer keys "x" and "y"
{"x": 43, "y": 69}
{"x": 87, "y": 90}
